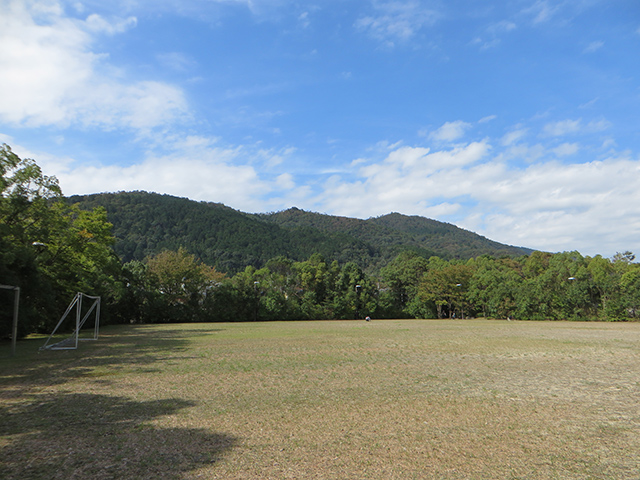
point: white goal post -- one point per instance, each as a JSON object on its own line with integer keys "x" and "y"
{"x": 71, "y": 342}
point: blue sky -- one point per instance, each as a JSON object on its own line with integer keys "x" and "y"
{"x": 518, "y": 120}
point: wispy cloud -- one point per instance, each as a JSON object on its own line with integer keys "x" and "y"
{"x": 593, "y": 47}
{"x": 177, "y": 61}
{"x": 493, "y": 34}
{"x": 566, "y": 149}
{"x": 541, "y": 11}
{"x": 488, "y": 118}
{"x": 570, "y": 127}
{"x": 98, "y": 24}
{"x": 514, "y": 136}
{"x": 303, "y": 20}
{"x": 562, "y": 128}
{"x": 396, "y": 21}
{"x": 450, "y": 131}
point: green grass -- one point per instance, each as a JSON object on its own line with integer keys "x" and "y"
{"x": 402, "y": 399}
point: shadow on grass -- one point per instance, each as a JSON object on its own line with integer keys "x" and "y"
{"x": 120, "y": 347}
{"x": 102, "y": 437}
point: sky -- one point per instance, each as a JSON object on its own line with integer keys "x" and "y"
{"x": 516, "y": 119}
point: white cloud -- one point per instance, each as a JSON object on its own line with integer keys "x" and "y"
{"x": 566, "y": 149}
{"x": 562, "y": 128}
{"x": 545, "y": 205}
{"x": 50, "y": 75}
{"x": 493, "y": 34}
{"x": 98, "y": 24}
{"x": 514, "y": 136}
{"x": 502, "y": 26}
{"x": 541, "y": 11}
{"x": 450, "y": 131}
{"x": 551, "y": 205}
{"x": 285, "y": 181}
{"x": 394, "y": 21}
{"x": 194, "y": 167}
{"x": 407, "y": 181}
{"x": 593, "y": 47}
{"x": 303, "y": 20}
{"x": 571, "y": 127}
{"x": 590, "y": 103}
{"x": 485, "y": 44}
{"x": 459, "y": 156}
{"x": 488, "y": 118}
{"x": 598, "y": 126}
{"x": 524, "y": 152}
{"x": 177, "y": 61}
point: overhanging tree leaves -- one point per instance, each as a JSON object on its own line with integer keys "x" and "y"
{"x": 48, "y": 248}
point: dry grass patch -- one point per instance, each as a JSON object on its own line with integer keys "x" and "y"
{"x": 387, "y": 399}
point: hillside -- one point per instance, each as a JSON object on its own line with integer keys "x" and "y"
{"x": 147, "y": 223}
{"x": 397, "y": 232}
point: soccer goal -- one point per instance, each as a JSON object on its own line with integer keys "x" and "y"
{"x": 92, "y": 311}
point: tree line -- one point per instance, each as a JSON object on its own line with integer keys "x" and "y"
{"x": 52, "y": 250}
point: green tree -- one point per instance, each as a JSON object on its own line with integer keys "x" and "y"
{"x": 245, "y": 298}
{"x": 183, "y": 283}
{"x": 606, "y": 283}
{"x": 446, "y": 286}
{"x": 567, "y": 284}
{"x": 24, "y": 220}
{"x": 48, "y": 248}
{"x": 401, "y": 278}
{"x": 278, "y": 286}
{"x": 315, "y": 279}
{"x": 493, "y": 288}
{"x": 630, "y": 291}
{"x": 534, "y": 297}
{"x": 354, "y": 295}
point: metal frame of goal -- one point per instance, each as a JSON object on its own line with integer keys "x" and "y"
{"x": 71, "y": 342}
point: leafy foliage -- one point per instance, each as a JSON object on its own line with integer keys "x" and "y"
{"x": 146, "y": 224}
{"x": 50, "y": 249}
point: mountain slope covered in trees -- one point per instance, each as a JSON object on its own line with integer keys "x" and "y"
{"x": 395, "y": 232}
{"x": 148, "y": 223}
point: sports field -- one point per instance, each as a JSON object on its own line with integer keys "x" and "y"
{"x": 403, "y": 399}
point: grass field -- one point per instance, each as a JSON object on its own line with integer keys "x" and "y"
{"x": 401, "y": 399}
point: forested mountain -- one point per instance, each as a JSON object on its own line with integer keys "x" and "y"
{"x": 147, "y": 223}
{"x": 395, "y": 232}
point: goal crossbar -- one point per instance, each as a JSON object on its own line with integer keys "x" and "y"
{"x": 71, "y": 342}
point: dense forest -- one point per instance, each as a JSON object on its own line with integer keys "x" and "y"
{"x": 146, "y": 224}
{"x": 155, "y": 258}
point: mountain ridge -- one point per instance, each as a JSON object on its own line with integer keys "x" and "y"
{"x": 146, "y": 223}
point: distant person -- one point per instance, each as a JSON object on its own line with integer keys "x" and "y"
{"x": 368, "y": 318}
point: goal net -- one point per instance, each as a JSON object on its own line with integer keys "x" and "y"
{"x": 91, "y": 311}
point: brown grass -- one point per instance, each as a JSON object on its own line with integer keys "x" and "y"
{"x": 328, "y": 400}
